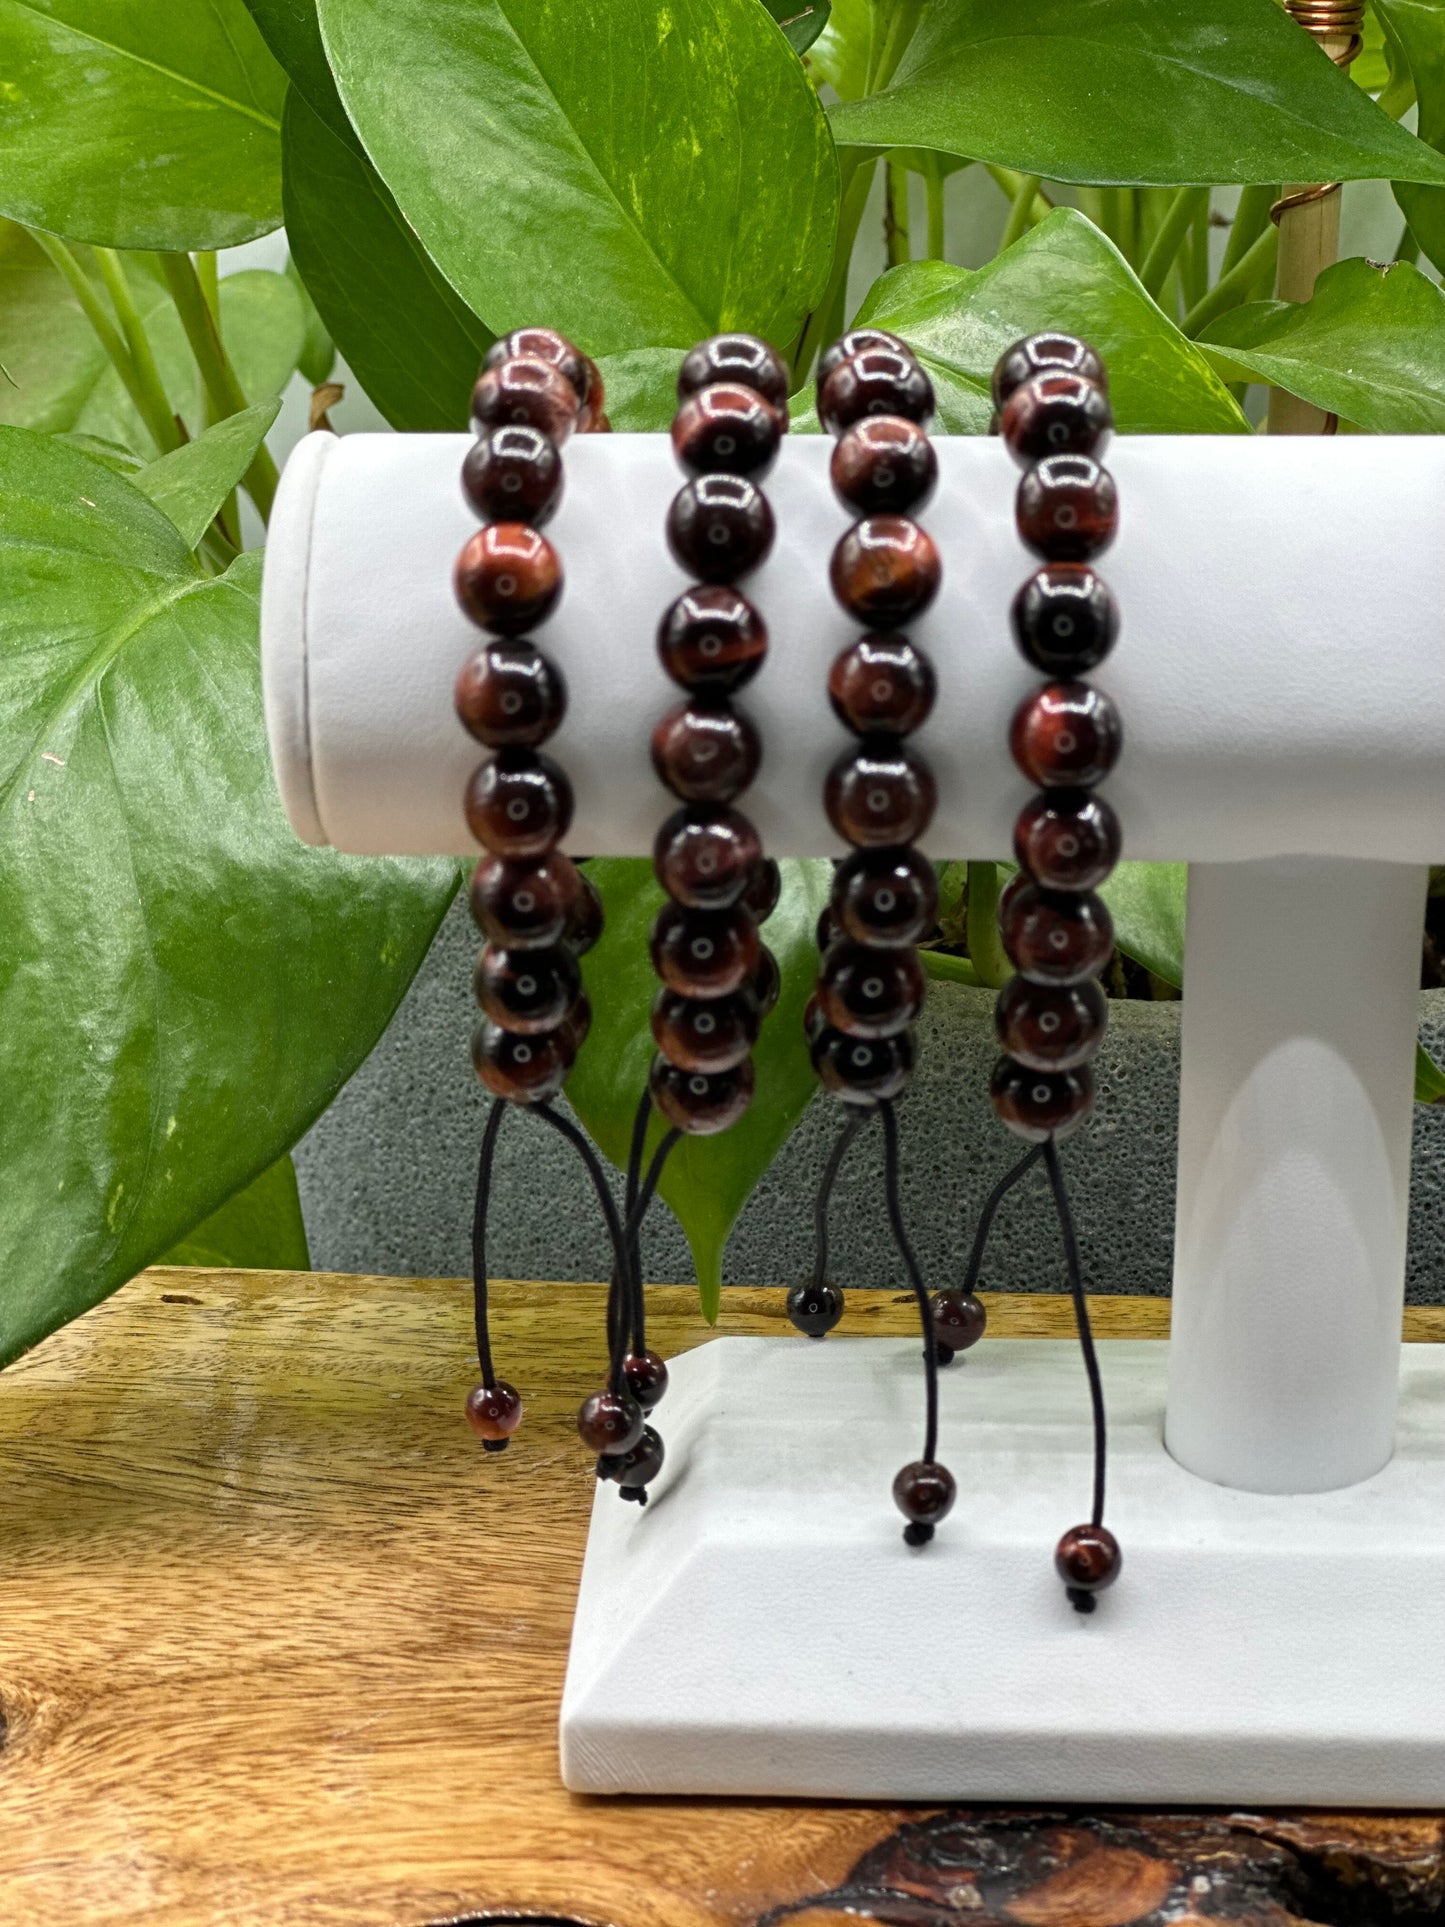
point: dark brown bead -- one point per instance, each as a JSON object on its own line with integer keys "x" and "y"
{"x": 705, "y": 856}
{"x": 712, "y": 640}
{"x": 855, "y": 342}
{"x": 886, "y": 897}
{"x": 884, "y": 465}
{"x": 745, "y": 359}
{"x": 870, "y": 993}
{"x": 1057, "y": 938}
{"x": 959, "y": 1321}
{"x": 545, "y": 344}
{"x": 765, "y": 886}
{"x": 526, "y": 1070}
{"x": 508, "y": 578}
{"x": 526, "y": 991}
{"x": 513, "y": 474}
{"x": 610, "y": 1422}
{"x": 1036, "y": 354}
{"x": 704, "y": 1033}
{"x": 726, "y": 430}
{"x": 704, "y": 953}
{"x": 877, "y": 381}
{"x": 924, "y": 1493}
{"x": 705, "y": 755}
{"x": 1016, "y": 884}
{"x": 645, "y": 1375}
{"x": 634, "y": 1471}
{"x": 826, "y": 930}
{"x": 519, "y": 804}
{"x": 494, "y": 1412}
{"x": 766, "y": 982}
{"x": 528, "y": 392}
{"x": 1067, "y": 839}
{"x": 814, "y": 1308}
{"x": 1067, "y": 508}
{"x": 1055, "y": 413}
{"x": 577, "y": 1023}
{"x": 885, "y": 569}
{"x": 1064, "y": 619}
{"x": 1066, "y": 736}
{"x": 878, "y": 796}
{"x": 1041, "y": 1104}
{"x": 1088, "y": 1559}
{"x": 882, "y": 686}
{"x": 525, "y": 905}
{"x": 699, "y": 1103}
{"x": 593, "y": 419}
{"x": 1051, "y": 1027}
{"x": 719, "y": 527}
{"x": 584, "y": 926}
{"x": 510, "y": 696}
{"x": 861, "y": 1070}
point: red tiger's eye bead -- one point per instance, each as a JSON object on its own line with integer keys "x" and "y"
{"x": 508, "y": 578}
{"x": 645, "y": 1374}
{"x": 1067, "y": 839}
{"x": 513, "y": 474}
{"x": 876, "y": 798}
{"x": 510, "y": 696}
{"x": 526, "y": 391}
{"x": 886, "y": 897}
{"x": 855, "y": 342}
{"x": 726, "y": 430}
{"x": 860, "y": 1070}
{"x": 525, "y": 1070}
{"x": 526, "y": 991}
{"x": 610, "y": 1422}
{"x": 959, "y": 1321}
{"x": 1066, "y": 736}
{"x": 870, "y": 993}
{"x": 705, "y": 755}
{"x": 1088, "y": 1558}
{"x": 705, "y": 1033}
{"x": 1064, "y": 619}
{"x": 545, "y": 344}
{"x": 719, "y": 527}
{"x": 704, "y": 953}
{"x": 701, "y": 1103}
{"x": 1055, "y": 413}
{"x": 1056, "y": 939}
{"x": 882, "y": 686}
{"x": 706, "y": 856}
{"x": 876, "y": 381}
{"x": 884, "y": 465}
{"x": 494, "y": 1412}
{"x": 519, "y": 804}
{"x": 584, "y": 926}
{"x": 1041, "y": 1104}
{"x": 525, "y": 905}
{"x": 885, "y": 569}
{"x": 924, "y": 1493}
{"x": 1050, "y": 1027}
{"x": 1067, "y": 508}
{"x": 765, "y": 886}
{"x": 1044, "y": 353}
{"x": 712, "y": 640}
{"x": 766, "y": 983}
{"x": 743, "y": 359}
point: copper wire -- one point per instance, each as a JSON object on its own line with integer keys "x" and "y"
{"x": 1323, "y": 20}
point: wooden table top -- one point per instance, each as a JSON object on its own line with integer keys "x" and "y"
{"x": 279, "y": 1645}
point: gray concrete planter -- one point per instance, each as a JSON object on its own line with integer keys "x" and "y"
{"x": 386, "y": 1175}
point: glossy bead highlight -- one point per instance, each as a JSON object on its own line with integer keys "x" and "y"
{"x": 519, "y": 804}
{"x": 1064, "y": 619}
{"x": 1054, "y": 938}
{"x": 1055, "y": 413}
{"x": 1067, "y": 508}
{"x": 865, "y": 992}
{"x": 524, "y": 1070}
{"x": 712, "y": 640}
{"x": 704, "y": 1034}
{"x": 719, "y": 527}
{"x": 510, "y": 696}
{"x": 1051, "y": 1027}
{"x": 525, "y": 391}
{"x": 525, "y": 904}
{"x": 704, "y": 953}
{"x": 706, "y": 856}
{"x": 526, "y": 991}
{"x": 1041, "y": 353}
{"x": 1067, "y": 839}
{"x": 699, "y": 1103}
{"x": 726, "y": 430}
{"x": 885, "y": 570}
{"x": 877, "y": 797}
{"x": 882, "y": 685}
{"x": 860, "y": 1070}
{"x": 508, "y": 578}
{"x": 513, "y": 474}
{"x": 744, "y": 359}
{"x": 1067, "y": 735}
{"x": 1036, "y": 1105}
{"x": 705, "y": 755}
{"x": 884, "y": 465}
{"x": 885, "y": 897}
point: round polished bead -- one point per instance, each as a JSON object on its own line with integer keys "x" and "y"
{"x": 1036, "y": 1105}
{"x": 508, "y": 578}
{"x": 712, "y": 640}
{"x": 645, "y": 1376}
{"x": 924, "y": 1493}
{"x": 704, "y": 953}
{"x": 814, "y": 1308}
{"x": 856, "y": 342}
{"x": 726, "y": 430}
{"x": 1066, "y": 736}
{"x": 885, "y": 569}
{"x": 510, "y": 696}
{"x": 959, "y": 1321}
{"x": 706, "y": 855}
{"x": 519, "y": 804}
{"x": 701, "y": 1103}
{"x": 545, "y": 344}
{"x": 1067, "y": 839}
{"x": 1067, "y": 508}
{"x": 870, "y": 993}
{"x": 1057, "y": 938}
{"x": 878, "y": 796}
{"x": 766, "y": 982}
{"x": 886, "y": 897}
{"x": 494, "y": 1412}
{"x": 719, "y": 527}
{"x": 882, "y": 686}
{"x": 577, "y": 1023}
{"x": 634, "y": 1471}
{"x": 861, "y": 1070}
{"x": 1040, "y": 354}
{"x": 884, "y": 465}
{"x": 765, "y": 887}
{"x": 527, "y": 1070}
{"x": 705, "y": 1033}
{"x": 1055, "y": 413}
{"x": 1051, "y": 1027}
{"x": 1088, "y": 1559}
{"x": 526, "y": 991}
{"x": 529, "y": 392}
{"x": 584, "y": 926}
{"x": 876, "y": 381}
{"x": 744, "y": 359}
{"x": 513, "y": 474}
{"x": 610, "y": 1422}
{"x": 526, "y": 904}
{"x": 705, "y": 755}
{"x": 1065, "y": 621}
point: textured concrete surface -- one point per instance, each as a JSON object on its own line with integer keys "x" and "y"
{"x": 387, "y": 1174}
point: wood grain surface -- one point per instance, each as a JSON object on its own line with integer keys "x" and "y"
{"x": 278, "y": 1644}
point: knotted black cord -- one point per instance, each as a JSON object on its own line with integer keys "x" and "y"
{"x": 479, "y": 1240}
{"x": 986, "y": 1217}
{"x": 856, "y": 1120}
{"x": 615, "y": 1229}
{"x": 1081, "y": 1316}
{"x": 915, "y": 1278}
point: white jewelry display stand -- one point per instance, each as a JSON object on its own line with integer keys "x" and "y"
{"x": 1277, "y": 1483}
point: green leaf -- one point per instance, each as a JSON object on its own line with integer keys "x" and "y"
{"x": 839, "y": 56}
{"x": 637, "y": 176}
{"x": 137, "y": 124}
{"x": 291, "y": 31}
{"x": 1146, "y": 901}
{"x": 190, "y": 485}
{"x": 1369, "y": 346}
{"x": 801, "y": 20}
{"x": 1063, "y": 274}
{"x": 259, "y": 1229}
{"x": 50, "y": 358}
{"x": 1417, "y": 28}
{"x": 1429, "y": 1078}
{"x": 408, "y": 338}
{"x": 318, "y": 350}
{"x": 1142, "y": 91}
{"x": 641, "y": 389}
{"x": 183, "y": 985}
{"x": 945, "y": 968}
{"x": 707, "y": 1181}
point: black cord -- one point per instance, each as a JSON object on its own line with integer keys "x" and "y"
{"x": 990, "y": 1210}
{"x": 643, "y": 1201}
{"x": 1081, "y": 1316}
{"x": 479, "y": 1239}
{"x": 915, "y": 1278}
{"x": 856, "y": 1120}
{"x": 615, "y": 1229}
{"x": 636, "y": 1312}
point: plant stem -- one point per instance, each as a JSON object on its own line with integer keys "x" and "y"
{"x": 104, "y": 328}
{"x": 208, "y": 275}
{"x": 857, "y": 179}
{"x": 1020, "y": 214}
{"x": 1194, "y": 279}
{"x": 220, "y": 378}
{"x": 895, "y": 215}
{"x": 933, "y": 179}
{"x": 1170, "y": 237}
{"x": 985, "y": 947}
{"x": 1409, "y": 248}
{"x": 1250, "y": 219}
{"x": 156, "y": 410}
{"x": 1008, "y": 180}
{"x": 1235, "y": 287}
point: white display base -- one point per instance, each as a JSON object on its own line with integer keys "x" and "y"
{"x": 761, "y": 1628}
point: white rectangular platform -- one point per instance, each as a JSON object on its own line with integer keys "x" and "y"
{"x": 761, "y": 1628}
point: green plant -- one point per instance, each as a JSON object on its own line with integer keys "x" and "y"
{"x": 182, "y": 985}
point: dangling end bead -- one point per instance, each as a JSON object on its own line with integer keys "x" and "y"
{"x": 645, "y": 1374}
{"x": 494, "y": 1412}
{"x": 814, "y": 1309}
{"x": 610, "y": 1422}
{"x": 1088, "y": 1560}
{"x": 959, "y": 1321}
{"x": 634, "y": 1470}
{"x": 924, "y": 1493}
